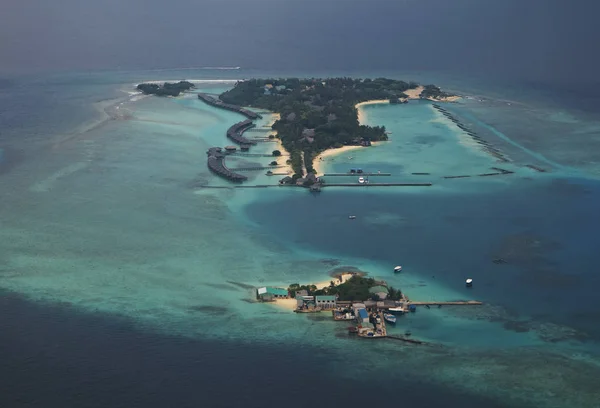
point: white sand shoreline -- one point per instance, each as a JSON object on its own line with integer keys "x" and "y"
{"x": 319, "y": 160}
{"x": 285, "y": 155}
{"x": 290, "y": 304}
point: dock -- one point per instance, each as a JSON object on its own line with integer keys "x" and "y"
{"x": 377, "y": 185}
{"x": 451, "y": 303}
{"x": 256, "y": 168}
{"x": 210, "y": 100}
{"x": 355, "y": 174}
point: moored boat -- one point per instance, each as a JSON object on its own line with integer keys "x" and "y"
{"x": 398, "y": 269}
{"x": 361, "y": 180}
{"x": 396, "y": 310}
{"x": 469, "y": 282}
{"x": 389, "y": 317}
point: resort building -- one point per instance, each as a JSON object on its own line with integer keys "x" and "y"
{"x": 305, "y": 302}
{"x": 362, "y": 316}
{"x": 326, "y": 302}
{"x": 269, "y": 293}
{"x": 360, "y": 312}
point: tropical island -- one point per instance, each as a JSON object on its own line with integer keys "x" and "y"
{"x": 167, "y": 89}
{"x": 355, "y": 288}
{"x": 320, "y": 114}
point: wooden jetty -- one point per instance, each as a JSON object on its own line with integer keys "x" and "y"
{"x": 421, "y": 174}
{"x": 255, "y": 168}
{"x": 254, "y": 155}
{"x": 456, "y": 177}
{"x": 355, "y": 174}
{"x": 450, "y": 303}
{"x": 234, "y": 108}
{"x": 377, "y": 185}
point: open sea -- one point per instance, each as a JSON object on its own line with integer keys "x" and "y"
{"x": 126, "y": 282}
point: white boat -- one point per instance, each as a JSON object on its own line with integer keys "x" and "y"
{"x": 389, "y": 317}
{"x": 361, "y": 180}
{"x": 396, "y": 310}
{"x": 352, "y": 217}
{"x": 469, "y": 282}
{"x": 398, "y": 269}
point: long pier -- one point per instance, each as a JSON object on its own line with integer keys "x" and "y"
{"x": 355, "y": 174}
{"x": 233, "y": 108}
{"x": 256, "y": 168}
{"x": 451, "y": 303}
{"x": 376, "y": 185}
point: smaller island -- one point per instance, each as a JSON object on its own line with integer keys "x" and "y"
{"x": 167, "y": 89}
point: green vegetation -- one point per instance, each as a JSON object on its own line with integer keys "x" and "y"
{"x": 276, "y": 153}
{"x": 434, "y": 92}
{"x": 317, "y": 114}
{"x": 273, "y": 163}
{"x": 167, "y": 89}
{"x": 295, "y": 287}
{"x": 355, "y": 288}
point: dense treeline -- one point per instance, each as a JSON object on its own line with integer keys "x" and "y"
{"x": 317, "y": 114}
{"x": 167, "y": 89}
{"x": 434, "y": 92}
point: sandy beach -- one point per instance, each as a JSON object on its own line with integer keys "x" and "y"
{"x": 414, "y": 94}
{"x": 361, "y": 117}
{"x": 290, "y": 304}
{"x": 329, "y": 154}
{"x": 284, "y": 153}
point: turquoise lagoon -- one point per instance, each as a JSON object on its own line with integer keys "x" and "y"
{"x": 114, "y": 219}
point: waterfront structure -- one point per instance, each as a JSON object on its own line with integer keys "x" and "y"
{"x": 326, "y": 302}
{"x": 216, "y": 163}
{"x": 305, "y": 302}
{"x": 269, "y": 293}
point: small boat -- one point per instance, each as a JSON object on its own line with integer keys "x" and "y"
{"x": 469, "y": 282}
{"x": 352, "y": 217}
{"x": 407, "y": 333}
{"x": 361, "y": 180}
{"x": 389, "y": 317}
{"x": 397, "y": 310}
{"x": 398, "y": 269}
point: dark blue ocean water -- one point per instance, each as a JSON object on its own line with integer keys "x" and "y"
{"x": 52, "y": 356}
{"x": 547, "y": 232}
{"x": 55, "y": 356}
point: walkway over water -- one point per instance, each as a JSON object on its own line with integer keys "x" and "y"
{"x": 234, "y": 108}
